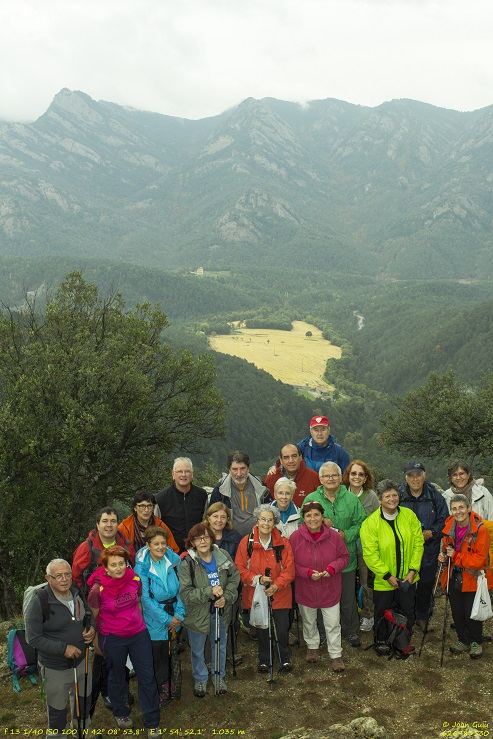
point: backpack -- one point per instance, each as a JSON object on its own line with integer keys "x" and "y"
{"x": 398, "y": 637}
{"x": 21, "y": 657}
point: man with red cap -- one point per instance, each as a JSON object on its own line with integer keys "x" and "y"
{"x": 321, "y": 447}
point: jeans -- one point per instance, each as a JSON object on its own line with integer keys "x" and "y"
{"x": 197, "y": 647}
{"x": 115, "y": 650}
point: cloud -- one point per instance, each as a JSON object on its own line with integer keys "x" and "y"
{"x": 195, "y": 58}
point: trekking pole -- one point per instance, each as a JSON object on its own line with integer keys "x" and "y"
{"x": 77, "y": 702}
{"x": 217, "y": 651}
{"x": 274, "y": 632}
{"x": 269, "y": 627}
{"x": 86, "y": 626}
{"x": 86, "y": 672}
{"x": 445, "y": 613}
{"x": 425, "y": 632}
{"x": 233, "y": 645}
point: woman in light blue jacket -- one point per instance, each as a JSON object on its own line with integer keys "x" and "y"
{"x": 162, "y": 607}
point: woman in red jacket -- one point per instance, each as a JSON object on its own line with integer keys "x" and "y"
{"x": 466, "y": 542}
{"x": 320, "y": 556}
{"x": 265, "y": 549}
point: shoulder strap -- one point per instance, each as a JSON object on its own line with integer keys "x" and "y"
{"x": 42, "y": 594}
{"x": 188, "y": 559}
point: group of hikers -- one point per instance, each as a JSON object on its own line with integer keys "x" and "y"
{"x": 315, "y": 541}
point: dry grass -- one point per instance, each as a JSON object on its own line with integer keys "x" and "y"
{"x": 289, "y": 356}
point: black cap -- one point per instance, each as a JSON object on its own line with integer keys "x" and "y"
{"x": 414, "y": 467}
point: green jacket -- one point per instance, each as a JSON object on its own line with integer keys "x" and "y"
{"x": 379, "y": 546}
{"x": 196, "y": 593}
{"x": 347, "y": 514}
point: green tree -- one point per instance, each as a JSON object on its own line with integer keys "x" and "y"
{"x": 443, "y": 418}
{"x": 92, "y": 403}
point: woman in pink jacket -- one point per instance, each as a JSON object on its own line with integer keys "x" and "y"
{"x": 320, "y": 556}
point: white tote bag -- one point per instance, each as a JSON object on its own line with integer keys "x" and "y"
{"x": 481, "y": 608}
{"x": 259, "y": 614}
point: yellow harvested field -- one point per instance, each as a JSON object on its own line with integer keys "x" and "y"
{"x": 289, "y": 356}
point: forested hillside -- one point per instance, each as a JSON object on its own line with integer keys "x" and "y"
{"x": 410, "y": 329}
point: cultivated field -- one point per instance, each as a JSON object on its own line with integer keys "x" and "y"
{"x": 289, "y": 356}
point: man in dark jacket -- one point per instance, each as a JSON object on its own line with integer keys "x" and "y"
{"x": 182, "y": 504}
{"x": 429, "y": 505}
{"x": 60, "y": 631}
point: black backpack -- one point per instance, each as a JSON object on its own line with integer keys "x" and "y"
{"x": 398, "y": 637}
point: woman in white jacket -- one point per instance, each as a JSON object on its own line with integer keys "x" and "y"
{"x": 284, "y": 489}
{"x": 463, "y": 483}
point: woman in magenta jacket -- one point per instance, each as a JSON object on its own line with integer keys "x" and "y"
{"x": 320, "y": 556}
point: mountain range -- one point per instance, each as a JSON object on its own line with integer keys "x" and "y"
{"x": 402, "y": 190}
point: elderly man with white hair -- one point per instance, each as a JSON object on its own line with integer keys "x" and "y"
{"x": 59, "y": 625}
{"x": 182, "y": 504}
{"x": 343, "y": 512}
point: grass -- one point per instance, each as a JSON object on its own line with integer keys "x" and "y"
{"x": 289, "y": 356}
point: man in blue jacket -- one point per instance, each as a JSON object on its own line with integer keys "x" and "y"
{"x": 321, "y": 447}
{"x": 429, "y": 505}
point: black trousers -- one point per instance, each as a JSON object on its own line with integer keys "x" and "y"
{"x": 467, "y": 629}
{"x": 281, "y": 621}
{"x": 400, "y": 600}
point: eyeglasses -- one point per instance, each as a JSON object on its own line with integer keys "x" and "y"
{"x": 145, "y": 506}
{"x": 61, "y": 576}
{"x": 329, "y": 477}
{"x": 459, "y": 474}
{"x": 266, "y": 520}
{"x": 206, "y": 537}
{"x": 183, "y": 472}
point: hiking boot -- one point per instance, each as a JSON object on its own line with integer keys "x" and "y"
{"x": 222, "y": 688}
{"x": 200, "y": 689}
{"x": 124, "y": 722}
{"x": 106, "y": 701}
{"x": 459, "y": 648}
{"x": 292, "y": 640}
{"x": 382, "y": 649}
{"x": 311, "y": 655}
{"x": 238, "y": 659}
{"x": 476, "y": 650}
{"x": 338, "y": 665}
{"x": 366, "y": 624}
{"x": 286, "y": 667}
{"x": 354, "y": 640}
{"x": 420, "y": 624}
{"x": 263, "y": 668}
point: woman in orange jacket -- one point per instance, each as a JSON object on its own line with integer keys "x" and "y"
{"x": 266, "y": 557}
{"x": 466, "y": 542}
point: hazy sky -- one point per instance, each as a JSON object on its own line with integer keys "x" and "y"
{"x": 196, "y": 58}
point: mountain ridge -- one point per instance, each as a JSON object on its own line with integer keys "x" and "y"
{"x": 402, "y": 187}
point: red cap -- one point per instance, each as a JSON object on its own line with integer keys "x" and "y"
{"x": 319, "y": 421}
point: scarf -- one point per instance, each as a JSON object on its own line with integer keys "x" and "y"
{"x": 467, "y": 491}
{"x": 139, "y": 530}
